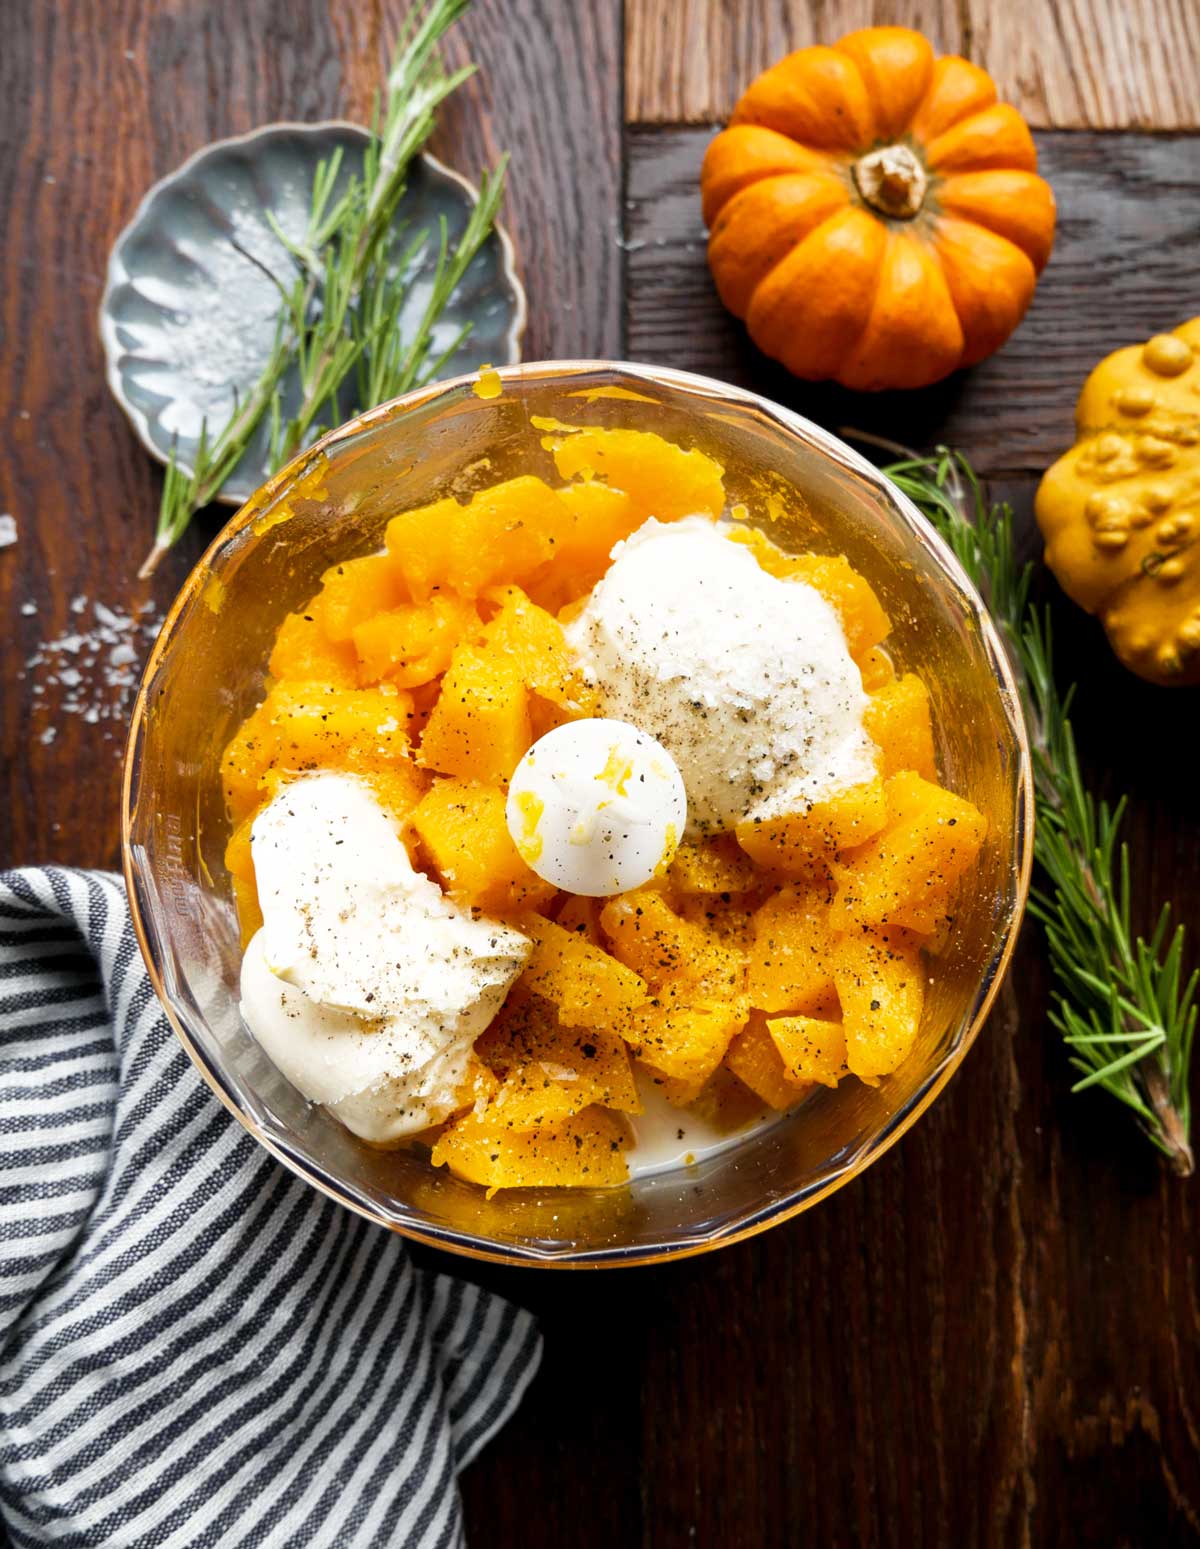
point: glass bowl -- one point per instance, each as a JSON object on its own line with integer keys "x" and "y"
{"x": 207, "y": 672}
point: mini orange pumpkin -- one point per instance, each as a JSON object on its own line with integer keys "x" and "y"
{"x": 875, "y": 215}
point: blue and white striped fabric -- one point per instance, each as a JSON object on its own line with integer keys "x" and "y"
{"x": 195, "y": 1347}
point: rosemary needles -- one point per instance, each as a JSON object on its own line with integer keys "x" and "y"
{"x": 1124, "y": 1007}
{"x": 338, "y": 334}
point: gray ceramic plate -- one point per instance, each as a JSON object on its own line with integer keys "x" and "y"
{"x": 187, "y": 320}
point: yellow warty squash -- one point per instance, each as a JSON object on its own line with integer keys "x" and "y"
{"x": 1120, "y": 512}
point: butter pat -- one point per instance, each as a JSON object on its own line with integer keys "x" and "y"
{"x": 744, "y": 678}
{"x": 596, "y": 807}
{"x": 366, "y": 986}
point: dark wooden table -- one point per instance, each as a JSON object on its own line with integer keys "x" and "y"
{"x": 992, "y": 1337}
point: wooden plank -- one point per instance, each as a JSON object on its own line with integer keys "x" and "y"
{"x": 1123, "y": 268}
{"x": 1098, "y": 64}
{"x": 101, "y": 98}
{"x": 990, "y": 1338}
{"x": 97, "y": 123}
{"x": 912, "y": 1361}
{"x": 563, "y": 199}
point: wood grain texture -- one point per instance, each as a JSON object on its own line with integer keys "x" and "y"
{"x": 1067, "y": 64}
{"x": 1123, "y": 268}
{"x": 103, "y": 98}
{"x": 993, "y": 1337}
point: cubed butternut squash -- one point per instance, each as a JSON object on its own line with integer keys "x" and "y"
{"x": 648, "y": 936}
{"x": 533, "y": 641}
{"x": 601, "y": 517}
{"x": 412, "y": 644}
{"x": 585, "y": 1150}
{"x": 479, "y": 728}
{"x": 548, "y": 1071}
{"x": 796, "y": 842}
{"x": 712, "y": 866}
{"x": 684, "y": 1042}
{"x": 930, "y": 839}
{"x": 897, "y": 721}
{"x": 303, "y": 653}
{"x": 789, "y": 951}
{"x": 755, "y": 1060}
{"x": 881, "y": 988}
{"x": 300, "y": 727}
{"x": 354, "y": 590}
{"x": 811, "y": 1048}
{"x": 588, "y": 986}
{"x": 662, "y": 480}
{"x": 581, "y": 916}
{"x": 462, "y": 829}
{"x": 506, "y": 533}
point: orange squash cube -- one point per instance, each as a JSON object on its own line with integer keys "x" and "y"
{"x": 877, "y": 669}
{"x": 533, "y": 641}
{"x": 648, "y": 936}
{"x": 812, "y": 1049}
{"x": 396, "y": 783}
{"x": 588, "y": 987}
{"x": 601, "y": 517}
{"x": 354, "y": 590}
{"x": 931, "y": 838}
{"x": 411, "y": 644}
{"x": 479, "y": 727}
{"x": 881, "y": 987}
{"x": 548, "y": 1071}
{"x": 505, "y": 533}
{"x": 713, "y": 866}
{"x": 661, "y": 479}
{"x": 897, "y": 721}
{"x": 864, "y": 623}
{"x": 303, "y": 653}
{"x": 581, "y": 916}
{"x": 796, "y": 842}
{"x": 931, "y": 916}
{"x": 789, "y": 951}
{"x": 300, "y": 727}
{"x": 728, "y": 917}
{"x": 755, "y": 1060}
{"x": 586, "y": 1150}
{"x": 463, "y": 830}
{"x": 683, "y": 1042}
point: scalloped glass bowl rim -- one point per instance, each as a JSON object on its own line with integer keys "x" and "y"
{"x": 778, "y": 1210}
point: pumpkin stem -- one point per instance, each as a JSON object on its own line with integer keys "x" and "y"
{"x": 892, "y": 181}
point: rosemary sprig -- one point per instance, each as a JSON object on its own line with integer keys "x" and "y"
{"x": 339, "y": 317}
{"x": 1122, "y": 1004}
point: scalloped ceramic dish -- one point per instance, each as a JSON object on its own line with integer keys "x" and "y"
{"x": 187, "y": 320}
{"x": 208, "y": 671}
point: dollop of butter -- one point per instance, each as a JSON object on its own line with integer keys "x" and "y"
{"x": 596, "y": 807}
{"x": 744, "y": 678}
{"x": 366, "y": 986}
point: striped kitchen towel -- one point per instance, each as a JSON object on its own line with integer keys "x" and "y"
{"x": 195, "y": 1347}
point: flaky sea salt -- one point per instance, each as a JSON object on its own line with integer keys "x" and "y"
{"x": 8, "y": 529}
{"x": 92, "y": 669}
